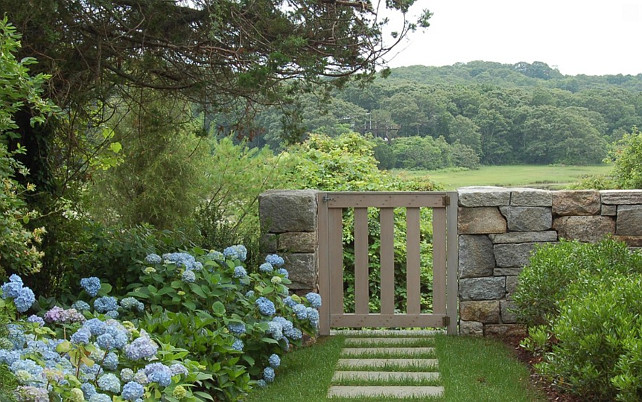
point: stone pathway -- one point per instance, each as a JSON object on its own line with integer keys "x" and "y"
{"x": 370, "y": 359}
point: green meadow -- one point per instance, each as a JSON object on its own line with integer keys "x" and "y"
{"x": 537, "y": 176}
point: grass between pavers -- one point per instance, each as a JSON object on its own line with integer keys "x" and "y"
{"x": 401, "y": 382}
{"x": 471, "y": 369}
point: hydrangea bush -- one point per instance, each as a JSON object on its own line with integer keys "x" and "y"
{"x": 74, "y": 355}
{"x": 238, "y": 323}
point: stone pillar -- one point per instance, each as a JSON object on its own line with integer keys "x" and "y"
{"x": 289, "y": 228}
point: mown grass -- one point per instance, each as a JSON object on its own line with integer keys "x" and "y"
{"x": 538, "y": 176}
{"x": 472, "y": 370}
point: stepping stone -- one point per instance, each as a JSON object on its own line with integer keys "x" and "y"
{"x": 386, "y": 332}
{"x": 385, "y": 391}
{"x": 385, "y": 375}
{"x": 387, "y": 351}
{"x": 382, "y": 341}
{"x": 382, "y": 363}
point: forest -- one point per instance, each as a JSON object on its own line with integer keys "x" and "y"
{"x": 474, "y": 113}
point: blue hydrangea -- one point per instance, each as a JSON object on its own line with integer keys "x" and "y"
{"x": 88, "y": 390}
{"x": 132, "y": 391}
{"x": 240, "y": 272}
{"x": 275, "y": 260}
{"x": 153, "y": 258}
{"x": 32, "y": 393}
{"x": 159, "y": 373}
{"x": 266, "y": 267}
{"x": 295, "y": 334}
{"x": 184, "y": 260}
{"x": 197, "y": 266}
{"x": 140, "y": 377}
{"x": 35, "y": 319}
{"x": 314, "y": 299}
{"x": 25, "y": 300}
{"x": 313, "y": 316}
{"x": 100, "y": 398}
{"x": 238, "y": 345}
{"x": 237, "y": 328}
{"x": 126, "y": 374}
{"x": 29, "y": 366}
{"x": 301, "y": 311}
{"x": 109, "y": 382}
{"x": 275, "y": 330}
{"x": 118, "y": 332}
{"x": 268, "y": 374}
{"x": 249, "y": 294}
{"x": 261, "y": 383}
{"x": 80, "y": 305}
{"x": 178, "y": 369}
{"x": 80, "y": 337}
{"x": 8, "y": 357}
{"x": 96, "y": 326}
{"x": 274, "y": 360}
{"x": 216, "y": 256}
{"x": 91, "y": 285}
{"x": 188, "y": 276}
{"x": 12, "y": 288}
{"x": 111, "y": 361}
{"x": 266, "y": 307}
{"x": 112, "y": 314}
{"x": 237, "y": 252}
{"x": 284, "y": 272}
{"x": 105, "y": 304}
{"x": 288, "y": 301}
{"x": 141, "y": 348}
{"x": 130, "y": 303}
{"x": 285, "y": 324}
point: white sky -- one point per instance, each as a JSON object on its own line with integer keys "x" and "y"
{"x": 593, "y": 37}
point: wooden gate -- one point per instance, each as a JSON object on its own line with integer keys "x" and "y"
{"x": 331, "y": 262}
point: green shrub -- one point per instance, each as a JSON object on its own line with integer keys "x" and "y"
{"x": 627, "y": 158}
{"x": 544, "y": 283}
{"x": 598, "y": 350}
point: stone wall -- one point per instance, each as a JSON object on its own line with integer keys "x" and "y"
{"x": 498, "y": 228}
{"x": 289, "y": 228}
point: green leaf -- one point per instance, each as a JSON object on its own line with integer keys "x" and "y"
{"x": 63, "y": 347}
{"x": 197, "y": 289}
{"x": 269, "y": 340}
{"x": 115, "y": 147}
{"x": 189, "y": 305}
{"x": 218, "y": 308}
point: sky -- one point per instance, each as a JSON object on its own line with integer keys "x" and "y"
{"x": 592, "y": 37}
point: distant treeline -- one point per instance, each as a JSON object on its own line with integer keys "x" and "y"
{"x": 487, "y": 113}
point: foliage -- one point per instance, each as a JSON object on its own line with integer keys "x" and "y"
{"x": 18, "y": 242}
{"x": 234, "y": 321}
{"x": 544, "y": 283}
{"x": 627, "y": 159}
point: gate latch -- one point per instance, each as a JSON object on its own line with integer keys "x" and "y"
{"x": 445, "y": 321}
{"x": 327, "y": 198}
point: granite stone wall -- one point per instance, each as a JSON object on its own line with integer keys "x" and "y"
{"x": 499, "y": 227}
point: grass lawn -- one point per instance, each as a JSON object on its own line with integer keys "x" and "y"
{"x": 540, "y": 176}
{"x": 472, "y": 369}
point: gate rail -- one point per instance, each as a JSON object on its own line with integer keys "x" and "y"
{"x": 445, "y": 259}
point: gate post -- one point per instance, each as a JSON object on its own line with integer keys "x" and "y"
{"x": 289, "y": 228}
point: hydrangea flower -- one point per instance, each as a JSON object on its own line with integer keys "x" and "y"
{"x": 266, "y": 307}
{"x": 268, "y": 374}
{"x": 9, "y": 356}
{"x": 275, "y": 330}
{"x": 276, "y": 280}
{"x": 236, "y": 252}
{"x": 301, "y": 311}
{"x": 266, "y": 267}
{"x": 25, "y": 300}
{"x": 237, "y": 328}
{"x": 283, "y": 272}
{"x": 274, "y": 360}
{"x": 127, "y": 374}
{"x": 88, "y": 390}
{"x": 118, "y": 332}
{"x": 178, "y": 369}
{"x": 80, "y": 337}
{"x": 275, "y": 260}
{"x": 179, "y": 392}
{"x": 285, "y": 324}
{"x": 216, "y": 256}
{"x": 261, "y": 383}
{"x": 100, "y": 398}
{"x": 159, "y": 373}
{"x": 240, "y": 272}
{"x": 112, "y": 314}
{"x": 111, "y": 361}
{"x": 132, "y": 391}
{"x": 153, "y": 258}
{"x": 96, "y": 326}
{"x": 109, "y": 382}
{"x": 184, "y": 260}
{"x": 288, "y": 301}
{"x": 35, "y": 319}
{"x": 141, "y": 377}
{"x": 80, "y": 305}
{"x": 238, "y": 345}
{"x": 12, "y": 288}
{"x": 91, "y": 285}
{"x": 59, "y": 315}
{"x": 188, "y": 276}
{"x": 76, "y": 395}
{"x": 130, "y": 303}
{"x": 141, "y": 348}
{"x": 313, "y": 316}
{"x": 105, "y": 304}
{"x": 249, "y": 294}
{"x": 314, "y": 299}
{"x": 295, "y": 334}
{"x": 31, "y": 393}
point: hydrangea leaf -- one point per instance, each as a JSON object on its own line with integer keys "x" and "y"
{"x": 218, "y": 308}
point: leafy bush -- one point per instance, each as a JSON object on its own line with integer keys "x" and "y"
{"x": 627, "y": 158}
{"x": 544, "y": 283}
{"x": 598, "y": 350}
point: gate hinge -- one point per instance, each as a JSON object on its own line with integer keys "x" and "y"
{"x": 327, "y": 198}
{"x": 445, "y": 321}
{"x": 446, "y": 200}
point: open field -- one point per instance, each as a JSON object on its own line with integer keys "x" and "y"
{"x": 538, "y": 176}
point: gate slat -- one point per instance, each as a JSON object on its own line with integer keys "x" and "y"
{"x": 413, "y": 261}
{"x": 335, "y": 251}
{"x": 439, "y": 260}
{"x": 387, "y": 259}
{"x": 324, "y": 274}
{"x": 387, "y": 320}
{"x": 361, "y": 282}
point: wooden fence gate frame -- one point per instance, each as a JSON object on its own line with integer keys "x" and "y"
{"x": 445, "y": 259}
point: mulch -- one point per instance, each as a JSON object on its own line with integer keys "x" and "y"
{"x": 553, "y": 393}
